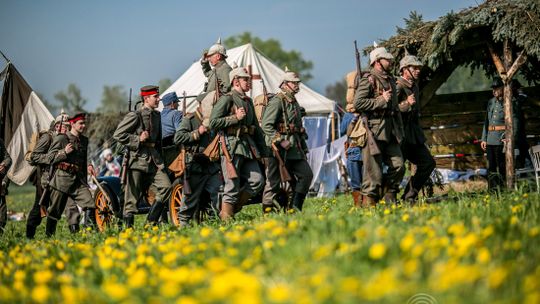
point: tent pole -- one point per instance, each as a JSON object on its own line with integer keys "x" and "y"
{"x": 3, "y": 55}
{"x": 333, "y": 128}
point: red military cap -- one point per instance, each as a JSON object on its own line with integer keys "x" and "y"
{"x": 77, "y": 117}
{"x": 149, "y": 90}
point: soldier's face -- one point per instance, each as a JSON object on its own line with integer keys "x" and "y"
{"x": 386, "y": 64}
{"x": 498, "y": 92}
{"x": 243, "y": 82}
{"x": 214, "y": 58}
{"x": 152, "y": 101}
{"x": 294, "y": 86}
{"x": 79, "y": 125}
{"x": 415, "y": 71}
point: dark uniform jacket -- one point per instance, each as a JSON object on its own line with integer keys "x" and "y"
{"x": 41, "y": 158}
{"x": 194, "y": 144}
{"x": 495, "y": 117}
{"x": 273, "y": 124}
{"x": 410, "y": 114}
{"x": 384, "y": 118}
{"x": 143, "y": 156}
{"x": 71, "y": 168}
{"x": 244, "y": 137}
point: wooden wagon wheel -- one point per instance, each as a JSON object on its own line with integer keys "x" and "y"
{"x": 175, "y": 204}
{"x": 104, "y": 214}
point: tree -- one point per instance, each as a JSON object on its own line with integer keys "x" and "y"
{"x": 415, "y": 21}
{"x": 337, "y": 92}
{"x": 113, "y": 100}
{"x": 272, "y": 49}
{"x": 164, "y": 84}
{"x": 71, "y": 101}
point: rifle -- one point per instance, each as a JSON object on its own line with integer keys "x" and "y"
{"x": 288, "y": 129}
{"x": 184, "y": 104}
{"x": 125, "y": 160}
{"x": 371, "y": 143}
{"x": 283, "y": 172}
{"x": 231, "y": 170}
{"x": 185, "y": 183}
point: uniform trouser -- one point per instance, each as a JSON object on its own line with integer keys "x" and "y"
{"x": 249, "y": 180}
{"x": 374, "y": 183}
{"x": 81, "y": 197}
{"x": 496, "y": 166}
{"x": 354, "y": 168}
{"x": 419, "y": 155}
{"x": 139, "y": 181}
{"x": 200, "y": 182}
{"x": 299, "y": 169}
{"x": 34, "y": 216}
{"x": 3, "y": 212}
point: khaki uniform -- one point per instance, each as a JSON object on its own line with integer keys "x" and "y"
{"x": 282, "y": 105}
{"x": 145, "y": 165}
{"x": 221, "y": 70}
{"x": 245, "y": 143}
{"x": 69, "y": 180}
{"x": 384, "y": 120}
{"x": 202, "y": 174}
{"x": 5, "y": 160}
{"x": 413, "y": 146}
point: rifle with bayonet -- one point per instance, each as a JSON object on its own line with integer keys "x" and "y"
{"x": 125, "y": 160}
{"x": 371, "y": 143}
{"x": 186, "y": 187}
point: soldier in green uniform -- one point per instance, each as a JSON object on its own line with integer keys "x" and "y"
{"x": 202, "y": 174}
{"x": 215, "y": 57}
{"x": 493, "y": 135}
{"x": 140, "y": 131}
{"x": 234, "y": 117}
{"x": 69, "y": 155}
{"x": 5, "y": 164}
{"x": 376, "y": 98}
{"x": 285, "y": 134}
{"x": 413, "y": 146}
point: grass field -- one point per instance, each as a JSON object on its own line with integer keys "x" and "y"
{"x": 477, "y": 248}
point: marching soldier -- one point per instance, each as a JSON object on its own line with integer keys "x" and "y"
{"x": 242, "y": 144}
{"x": 376, "y": 98}
{"x": 5, "y": 164}
{"x": 140, "y": 131}
{"x": 68, "y": 153}
{"x": 215, "y": 57}
{"x": 493, "y": 135}
{"x": 202, "y": 173}
{"x": 413, "y": 146}
{"x": 285, "y": 135}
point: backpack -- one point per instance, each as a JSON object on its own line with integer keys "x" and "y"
{"x": 352, "y": 85}
{"x": 32, "y": 145}
{"x": 260, "y": 103}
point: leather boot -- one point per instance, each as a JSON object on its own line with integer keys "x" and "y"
{"x": 30, "y": 231}
{"x": 390, "y": 198}
{"x": 410, "y": 196}
{"x": 298, "y": 201}
{"x": 155, "y": 212}
{"x": 243, "y": 198}
{"x": 50, "y": 228}
{"x": 227, "y": 212}
{"x": 90, "y": 218}
{"x": 368, "y": 201}
{"x": 357, "y": 199}
{"x": 129, "y": 220}
{"x": 74, "y": 228}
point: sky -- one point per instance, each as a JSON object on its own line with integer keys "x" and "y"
{"x": 134, "y": 43}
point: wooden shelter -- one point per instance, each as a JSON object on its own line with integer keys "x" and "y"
{"x": 499, "y": 36}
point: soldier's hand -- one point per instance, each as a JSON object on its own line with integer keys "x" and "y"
{"x": 411, "y": 100}
{"x": 69, "y": 148}
{"x": 483, "y": 145}
{"x": 202, "y": 129}
{"x": 387, "y": 95}
{"x": 240, "y": 113}
{"x": 285, "y": 144}
{"x": 205, "y": 55}
{"x": 144, "y": 136}
{"x": 91, "y": 170}
{"x": 2, "y": 169}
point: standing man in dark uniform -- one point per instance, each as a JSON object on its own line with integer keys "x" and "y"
{"x": 493, "y": 135}
{"x": 413, "y": 146}
{"x": 215, "y": 57}
{"x": 69, "y": 152}
{"x": 354, "y": 158}
{"x": 170, "y": 121}
{"x": 285, "y": 134}
{"x": 202, "y": 174}
{"x": 140, "y": 131}
{"x": 234, "y": 117}
{"x": 5, "y": 164}
{"x": 376, "y": 97}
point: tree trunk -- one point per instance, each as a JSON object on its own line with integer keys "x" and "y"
{"x": 509, "y": 133}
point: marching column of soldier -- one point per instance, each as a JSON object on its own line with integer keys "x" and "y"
{"x": 225, "y": 148}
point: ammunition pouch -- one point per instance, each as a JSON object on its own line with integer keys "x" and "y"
{"x": 240, "y": 130}
{"x": 70, "y": 168}
{"x": 282, "y": 129}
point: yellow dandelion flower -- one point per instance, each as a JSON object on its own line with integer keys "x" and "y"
{"x": 41, "y": 293}
{"x": 137, "y": 279}
{"x": 484, "y": 256}
{"x": 279, "y": 293}
{"x": 377, "y": 251}
{"x": 205, "y": 232}
{"x": 216, "y": 265}
{"x": 43, "y": 276}
{"x": 116, "y": 291}
{"x": 407, "y": 242}
{"x": 405, "y": 217}
{"x": 496, "y": 277}
{"x": 187, "y": 300}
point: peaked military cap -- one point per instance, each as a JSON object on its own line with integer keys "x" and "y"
{"x": 77, "y": 117}
{"x": 169, "y": 98}
{"x": 149, "y": 90}
{"x": 497, "y": 83}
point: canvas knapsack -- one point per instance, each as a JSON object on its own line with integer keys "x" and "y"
{"x": 352, "y": 85}
{"x": 260, "y": 103}
{"x": 32, "y": 145}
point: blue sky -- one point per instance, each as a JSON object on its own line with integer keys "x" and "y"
{"x": 133, "y": 43}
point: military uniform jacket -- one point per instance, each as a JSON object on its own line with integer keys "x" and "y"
{"x": 194, "y": 143}
{"x": 223, "y": 118}
{"x": 143, "y": 156}
{"x": 410, "y": 115}
{"x": 68, "y": 180}
{"x": 384, "y": 118}
{"x": 495, "y": 117}
{"x": 222, "y": 70}
{"x": 40, "y": 156}
{"x": 273, "y": 124}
